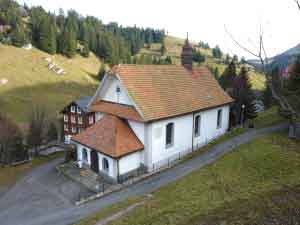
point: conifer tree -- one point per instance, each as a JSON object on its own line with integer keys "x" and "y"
{"x": 228, "y": 77}
{"x": 19, "y": 36}
{"x": 294, "y": 80}
{"x": 47, "y": 36}
{"x": 102, "y": 72}
{"x": 86, "y": 49}
{"x": 69, "y": 42}
{"x": 244, "y": 95}
{"x": 163, "y": 48}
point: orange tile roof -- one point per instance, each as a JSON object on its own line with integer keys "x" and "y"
{"x": 162, "y": 91}
{"x": 123, "y": 111}
{"x": 111, "y": 136}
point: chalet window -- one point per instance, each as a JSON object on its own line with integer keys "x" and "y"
{"x": 66, "y": 127}
{"x": 91, "y": 119}
{"x": 74, "y": 130}
{"x": 219, "y": 119}
{"x": 105, "y": 164}
{"x": 79, "y": 120}
{"x": 169, "y": 135}
{"x": 118, "y": 90}
{"x": 73, "y": 119}
{"x": 66, "y": 118}
{"x": 73, "y": 109}
{"x": 78, "y": 110}
{"x": 84, "y": 155}
{"x": 197, "y": 126}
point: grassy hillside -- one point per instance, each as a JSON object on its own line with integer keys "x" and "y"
{"x": 30, "y": 82}
{"x": 174, "y": 47}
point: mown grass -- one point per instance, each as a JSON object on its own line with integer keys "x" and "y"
{"x": 94, "y": 219}
{"x": 10, "y": 174}
{"x": 258, "y": 168}
{"x": 268, "y": 118}
{"x": 240, "y": 188}
{"x": 31, "y": 83}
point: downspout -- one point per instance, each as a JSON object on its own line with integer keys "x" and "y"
{"x": 193, "y": 132}
{"x": 118, "y": 171}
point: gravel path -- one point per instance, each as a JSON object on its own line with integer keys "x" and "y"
{"x": 36, "y": 202}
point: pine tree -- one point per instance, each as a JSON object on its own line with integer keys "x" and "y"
{"x": 86, "y": 49}
{"x": 294, "y": 80}
{"x": 47, "y": 36}
{"x": 168, "y": 60}
{"x": 217, "y": 53}
{"x": 244, "y": 96}
{"x": 19, "y": 36}
{"x": 163, "y": 49}
{"x": 216, "y": 73}
{"x": 69, "y": 42}
{"x": 102, "y": 72}
{"x": 228, "y": 77}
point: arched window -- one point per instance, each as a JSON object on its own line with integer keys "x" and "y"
{"x": 105, "y": 164}
{"x": 197, "y": 126}
{"x": 84, "y": 155}
{"x": 169, "y": 134}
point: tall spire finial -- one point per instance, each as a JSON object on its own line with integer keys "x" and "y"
{"x": 187, "y": 54}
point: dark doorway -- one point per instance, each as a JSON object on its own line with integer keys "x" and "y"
{"x": 94, "y": 161}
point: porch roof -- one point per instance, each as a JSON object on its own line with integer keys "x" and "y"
{"x": 111, "y": 136}
{"x": 123, "y": 111}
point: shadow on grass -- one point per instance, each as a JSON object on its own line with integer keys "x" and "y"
{"x": 18, "y": 103}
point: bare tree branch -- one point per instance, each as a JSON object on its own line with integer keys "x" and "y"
{"x": 240, "y": 45}
{"x": 298, "y": 3}
{"x": 262, "y": 56}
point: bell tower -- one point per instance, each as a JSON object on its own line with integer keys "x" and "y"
{"x": 187, "y": 54}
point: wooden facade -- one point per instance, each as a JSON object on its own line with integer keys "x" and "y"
{"x": 76, "y": 119}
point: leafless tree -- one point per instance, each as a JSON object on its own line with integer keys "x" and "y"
{"x": 37, "y": 128}
{"x": 261, "y": 54}
{"x": 10, "y": 140}
{"x": 298, "y": 3}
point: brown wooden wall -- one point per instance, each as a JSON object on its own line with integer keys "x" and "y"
{"x": 85, "y": 120}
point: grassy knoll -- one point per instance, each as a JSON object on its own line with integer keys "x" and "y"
{"x": 244, "y": 187}
{"x": 30, "y": 82}
{"x": 10, "y": 174}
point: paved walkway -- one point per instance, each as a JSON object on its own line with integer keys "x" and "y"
{"x": 21, "y": 205}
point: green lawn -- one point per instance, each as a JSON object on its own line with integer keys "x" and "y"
{"x": 268, "y": 118}
{"x": 30, "y": 82}
{"x": 233, "y": 189}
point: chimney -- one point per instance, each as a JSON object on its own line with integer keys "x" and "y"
{"x": 187, "y": 55}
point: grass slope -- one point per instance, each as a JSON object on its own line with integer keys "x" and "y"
{"x": 30, "y": 82}
{"x": 249, "y": 186}
{"x": 174, "y": 47}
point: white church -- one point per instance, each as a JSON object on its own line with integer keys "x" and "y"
{"x": 147, "y": 115}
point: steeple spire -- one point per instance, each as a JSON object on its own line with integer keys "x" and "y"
{"x": 187, "y": 54}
